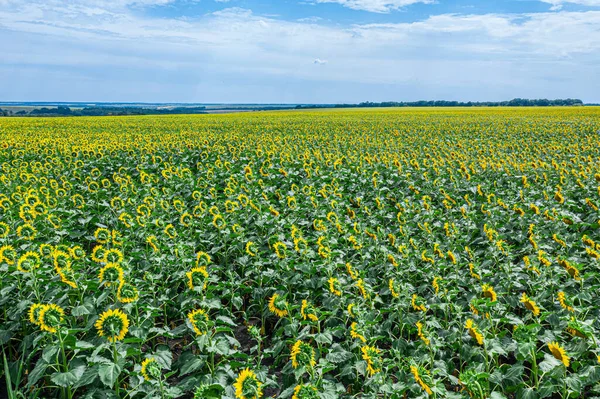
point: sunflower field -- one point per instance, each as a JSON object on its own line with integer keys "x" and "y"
{"x": 412, "y": 253}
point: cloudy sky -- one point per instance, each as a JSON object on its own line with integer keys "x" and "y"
{"x": 298, "y": 51}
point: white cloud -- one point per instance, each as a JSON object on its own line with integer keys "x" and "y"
{"x": 235, "y": 55}
{"x": 381, "y": 6}
{"x": 319, "y": 61}
{"x": 558, "y": 4}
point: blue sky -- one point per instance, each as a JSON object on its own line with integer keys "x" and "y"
{"x": 298, "y": 51}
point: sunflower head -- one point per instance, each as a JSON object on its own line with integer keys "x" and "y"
{"x": 151, "y": 369}
{"x": 112, "y": 273}
{"x": 51, "y": 317}
{"x": 127, "y": 293}
{"x": 247, "y": 385}
{"x": 113, "y": 324}
{"x": 307, "y": 391}
{"x": 102, "y": 235}
{"x": 34, "y": 313}
{"x": 371, "y": 355}
{"x": 278, "y": 305}
{"x": 302, "y": 355}
{"x": 28, "y": 262}
{"x": 559, "y": 353}
{"x": 200, "y": 321}
{"x": 197, "y": 277}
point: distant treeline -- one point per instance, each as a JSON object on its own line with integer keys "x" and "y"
{"x": 517, "y": 102}
{"x": 104, "y": 111}
{"x": 62, "y": 110}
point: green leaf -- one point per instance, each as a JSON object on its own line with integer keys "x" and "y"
{"x": 337, "y": 354}
{"x": 69, "y": 378}
{"x": 109, "y": 372}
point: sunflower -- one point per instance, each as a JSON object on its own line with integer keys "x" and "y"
{"x": 391, "y": 285}
{"x": 307, "y": 391}
{"x": 61, "y": 259}
{"x": 251, "y": 248}
{"x": 530, "y": 304}
{"x": 98, "y": 254}
{"x": 8, "y": 254}
{"x": 46, "y": 251}
{"x": 280, "y": 249}
{"x": 488, "y": 292}
{"x": 77, "y": 252}
{"x": 50, "y": 317}
{"x": 334, "y": 286}
{"x": 302, "y": 354}
{"x": 113, "y": 255}
{"x": 197, "y": 277}
{"x": 28, "y": 261}
{"x": 112, "y": 324}
{"x": 127, "y": 293}
{"x": 278, "y": 305}
{"x": 199, "y": 320}
{"x": 202, "y": 259}
{"x": 102, "y": 235}
{"x": 219, "y": 222}
{"x": 370, "y": 354}
{"x": 150, "y": 369}
{"x": 307, "y": 311}
{"x": 559, "y": 353}
{"x": 436, "y": 284}
{"x": 26, "y": 232}
{"x": 67, "y": 276}
{"x": 34, "y": 313}
{"x": 151, "y": 240}
{"x": 111, "y": 274}
{"x": 417, "y": 303}
{"x": 247, "y": 385}
{"x": 562, "y": 299}
{"x": 420, "y": 333}
{"x": 474, "y": 331}
{"x": 415, "y": 372}
{"x": 4, "y": 230}
{"x": 354, "y": 333}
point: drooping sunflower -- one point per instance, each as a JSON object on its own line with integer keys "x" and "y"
{"x": 417, "y": 374}
{"x": 34, "y": 313}
{"x": 488, "y": 292}
{"x": 127, "y": 293}
{"x": 150, "y": 369}
{"x": 280, "y": 249}
{"x": 371, "y": 355}
{"x": 334, "y": 286}
{"x": 302, "y": 354}
{"x": 420, "y": 333}
{"x": 474, "y": 331}
{"x": 199, "y": 320}
{"x": 113, "y": 324}
{"x": 530, "y": 304}
{"x": 113, "y": 255}
{"x": 8, "y": 254}
{"x": 26, "y": 231}
{"x": 251, "y": 249}
{"x": 392, "y": 287}
{"x": 102, "y": 235}
{"x": 247, "y": 385}
{"x": 202, "y": 259}
{"x": 50, "y": 317}
{"x": 4, "y": 230}
{"x": 306, "y": 391}
{"x": 308, "y": 311}
{"x": 28, "y": 261}
{"x": 356, "y": 333}
{"x": 197, "y": 277}
{"x": 559, "y": 353}
{"x": 278, "y": 305}
{"x": 112, "y": 273}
